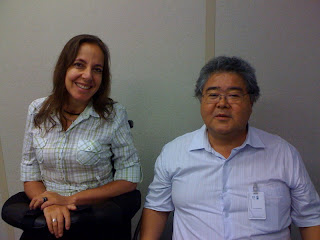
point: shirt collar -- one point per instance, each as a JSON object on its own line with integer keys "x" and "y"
{"x": 89, "y": 111}
{"x": 253, "y": 139}
{"x": 200, "y": 140}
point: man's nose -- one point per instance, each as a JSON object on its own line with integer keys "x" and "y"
{"x": 222, "y": 102}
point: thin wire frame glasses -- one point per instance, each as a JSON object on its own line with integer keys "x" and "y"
{"x": 231, "y": 97}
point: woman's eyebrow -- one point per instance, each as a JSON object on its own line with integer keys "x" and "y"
{"x": 81, "y": 60}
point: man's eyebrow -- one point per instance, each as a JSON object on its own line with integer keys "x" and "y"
{"x": 228, "y": 89}
{"x": 235, "y": 88}
{"x": 212, "y": 88}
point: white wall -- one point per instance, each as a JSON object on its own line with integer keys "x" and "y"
{"x": 157, "y": 49}
{"x": 281, "y": 39}
{"x": 5, "y": 230}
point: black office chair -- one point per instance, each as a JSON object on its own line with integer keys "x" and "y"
{"x": 108, "y": 220}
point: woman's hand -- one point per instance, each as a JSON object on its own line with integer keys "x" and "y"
{"x": 38, "y": 200}
{"x": 48, "y": 198}
{"x": 57, "y": 218}
{"x": 57, "y": 199}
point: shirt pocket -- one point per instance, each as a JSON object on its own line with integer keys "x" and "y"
{"x": 277, "y": 203}
{"x": 88, "y": 152}
{"x": 39, "y": 144}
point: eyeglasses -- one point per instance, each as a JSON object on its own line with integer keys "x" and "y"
{"x": 231, "y": 97}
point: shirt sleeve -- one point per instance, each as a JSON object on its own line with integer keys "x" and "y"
{"x": 29, "y": 168}
{"x": 159, "y": 197}
{"x": 305, "y": 202}
{"x": 126, "y": 160}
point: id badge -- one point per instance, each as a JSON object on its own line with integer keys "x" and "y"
{"x": 256, "y": 205}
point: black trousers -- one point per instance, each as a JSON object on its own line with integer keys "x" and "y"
{"x": 108, "y": 220}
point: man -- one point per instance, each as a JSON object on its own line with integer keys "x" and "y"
{"x": 229, "y": 180}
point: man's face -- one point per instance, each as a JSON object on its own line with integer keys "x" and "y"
{"x": 226, "y": 117}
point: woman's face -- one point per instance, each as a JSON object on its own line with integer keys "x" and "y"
{"x": 83, "y": 77}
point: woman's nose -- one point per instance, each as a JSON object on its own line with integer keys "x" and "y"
{"x": 87, "y": 74}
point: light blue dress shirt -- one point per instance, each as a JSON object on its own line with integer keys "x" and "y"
{"x": 209, "y": 193}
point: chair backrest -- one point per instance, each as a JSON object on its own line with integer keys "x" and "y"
{"x": 130, "y": 123}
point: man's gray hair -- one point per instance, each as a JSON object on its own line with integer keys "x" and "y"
{"x": 230, "y": 65}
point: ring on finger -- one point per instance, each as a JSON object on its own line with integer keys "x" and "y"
{"x": 54, "y": 220}
{"x": 45, "y": 199}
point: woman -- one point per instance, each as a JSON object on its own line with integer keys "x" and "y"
{"x": 75, "y": 136}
